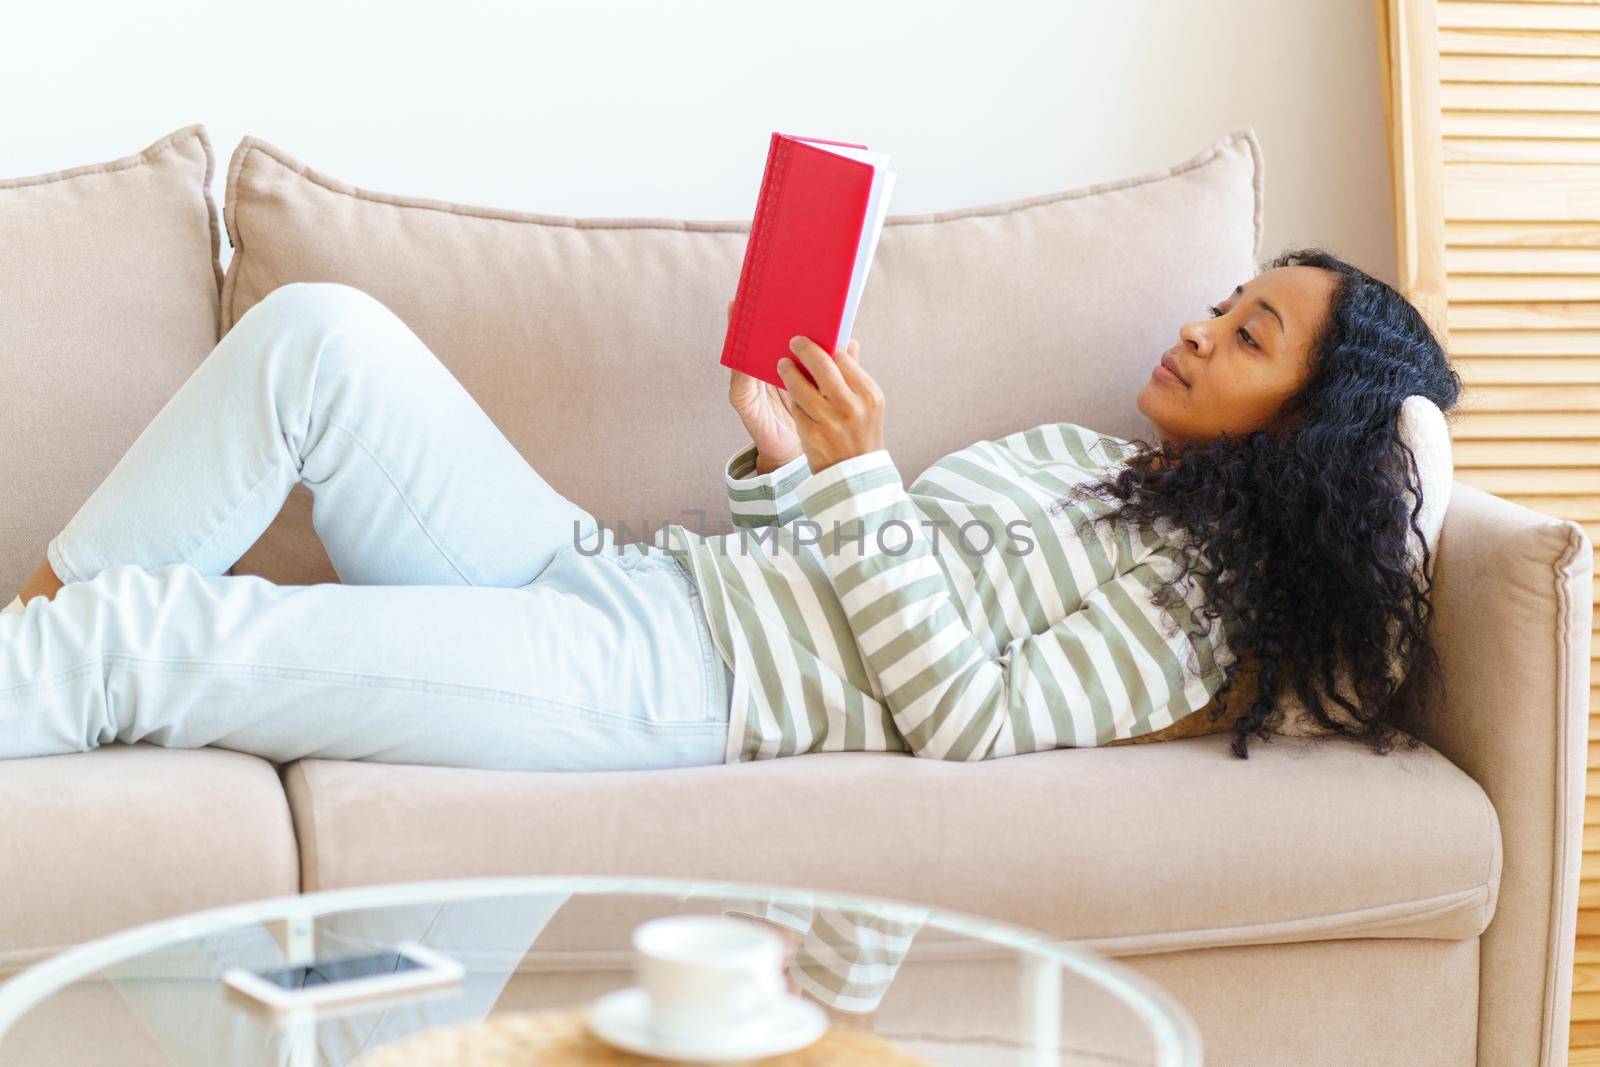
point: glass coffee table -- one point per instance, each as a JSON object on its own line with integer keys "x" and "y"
{"x": 937, "y": 987}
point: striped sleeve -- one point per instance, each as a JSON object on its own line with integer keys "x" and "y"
{"x": 763, "y": 499}
{"x": 847, "y": 958}
{"x": 1119, "y": 666}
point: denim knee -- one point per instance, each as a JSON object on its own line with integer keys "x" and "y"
{"x": 345, "y": 331}
{"x": 323, "y": 305}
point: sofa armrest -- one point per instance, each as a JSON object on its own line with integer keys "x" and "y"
{"x": 1513, "y": 602}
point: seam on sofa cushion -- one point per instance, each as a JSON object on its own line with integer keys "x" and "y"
{"x": 1553, "y": 1044}
{"x": 334, "y": 185}
{"x": 302, "y": 819}
{"x": 1356, "y": 922}
{"x": 230, "y": 191}
{"x": 138, "y": 159}
{"x": 212, "y": 217}
{"x": 1495, "y": 868}
{"x": 1258, "y": 187}
{"x": 230, "y": 222}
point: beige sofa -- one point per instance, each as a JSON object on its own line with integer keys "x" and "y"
{"x": 1314, "y": 904}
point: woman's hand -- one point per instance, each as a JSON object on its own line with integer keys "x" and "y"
{"x": 839, "y": 417}
{"x": 766, "y": 418}
{"x": 791, "y": 945}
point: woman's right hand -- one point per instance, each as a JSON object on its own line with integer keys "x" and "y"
{"x": 765, "y": 417}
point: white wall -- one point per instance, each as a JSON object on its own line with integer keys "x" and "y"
{"x": 659, "y": 108}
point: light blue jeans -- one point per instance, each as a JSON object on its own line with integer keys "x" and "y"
{"x": 476, "y": 626}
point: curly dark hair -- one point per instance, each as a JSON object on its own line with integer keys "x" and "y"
{"x": 1298, "y": 539}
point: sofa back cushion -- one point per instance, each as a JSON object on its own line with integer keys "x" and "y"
{"x": 593, "y": 343}
{"x": 110, "y": 301}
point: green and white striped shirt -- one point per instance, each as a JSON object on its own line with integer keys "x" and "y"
{"x": 969, "y": 617}
{"x": 846, "y": 957}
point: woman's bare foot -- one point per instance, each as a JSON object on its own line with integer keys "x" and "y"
{"x": 42, "y": 583}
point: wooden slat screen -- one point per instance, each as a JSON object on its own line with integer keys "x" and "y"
{"x": 1518, "y": 112}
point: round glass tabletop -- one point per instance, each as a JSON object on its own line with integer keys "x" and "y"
{"x": 944, "y": 986}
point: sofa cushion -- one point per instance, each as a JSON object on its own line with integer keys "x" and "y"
{"x": 1130, "y": 850}
{"x": 111, "y": 281}
{"x": 94, "y": 842}
{"x": 593, "y": 343}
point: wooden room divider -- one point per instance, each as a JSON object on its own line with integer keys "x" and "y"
{"x": 1494, "y": 123}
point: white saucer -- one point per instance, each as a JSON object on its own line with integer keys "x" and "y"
{"x": 622, "y": 1019}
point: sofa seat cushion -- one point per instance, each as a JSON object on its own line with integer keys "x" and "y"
{"x": 1130, "y": 850}
{"x": 95, "y": 842}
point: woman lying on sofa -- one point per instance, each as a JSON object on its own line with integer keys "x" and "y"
{"x": 1050, "y": 588}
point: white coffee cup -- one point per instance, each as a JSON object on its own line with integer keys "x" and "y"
{"x": 707, "y": 974}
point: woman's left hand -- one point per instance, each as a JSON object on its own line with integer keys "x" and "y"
{"x": 839, "y": 417}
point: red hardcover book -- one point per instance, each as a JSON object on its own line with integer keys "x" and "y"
{"x": 818, "y": 217}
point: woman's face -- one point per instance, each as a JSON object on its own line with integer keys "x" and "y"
{"x": 1242, "y": 366}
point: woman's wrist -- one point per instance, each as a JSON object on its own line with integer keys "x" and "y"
{"x": 764, "y": 465}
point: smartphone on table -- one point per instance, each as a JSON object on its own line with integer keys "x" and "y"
{"x": 405, "y": 967}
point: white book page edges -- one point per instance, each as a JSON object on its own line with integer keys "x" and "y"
{"x": 872, "y": 228}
